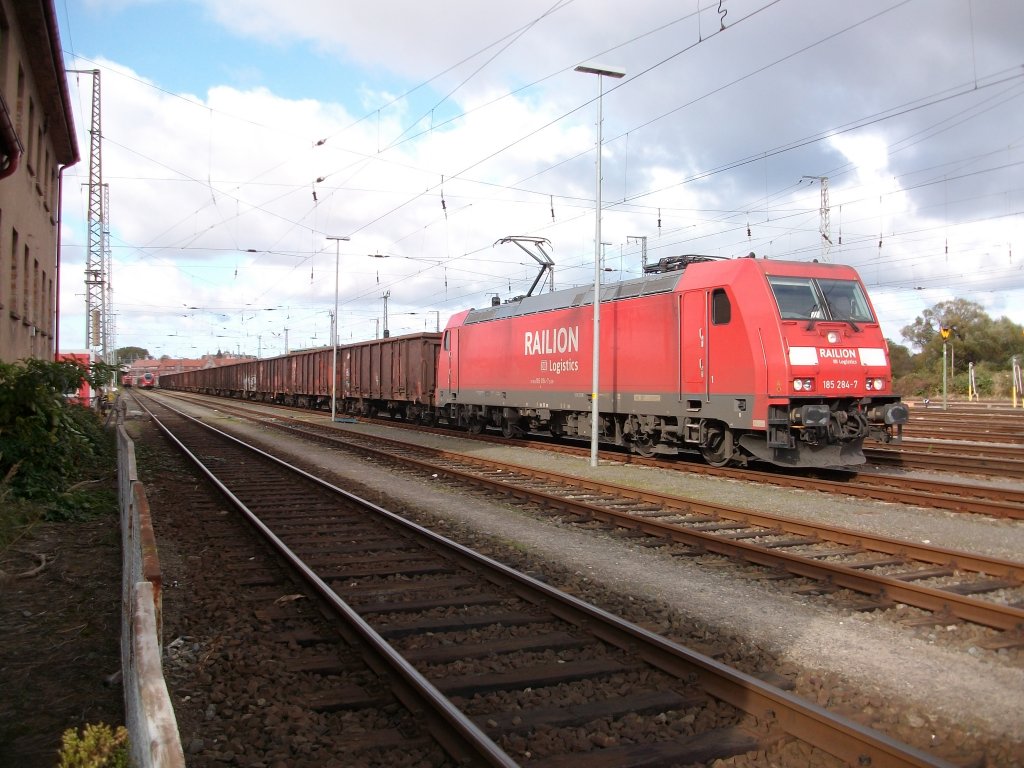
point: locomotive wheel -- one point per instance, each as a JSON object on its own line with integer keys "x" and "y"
{"x": 718, "y": 450}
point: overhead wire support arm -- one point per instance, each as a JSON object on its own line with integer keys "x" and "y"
{"x": 823, "y": 211}
{"x": 535, "y": 247}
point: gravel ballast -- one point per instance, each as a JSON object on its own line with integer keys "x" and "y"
{"x": 911, "y": 684}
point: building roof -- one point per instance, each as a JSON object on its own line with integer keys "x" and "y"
{"x": 38, "y": 22}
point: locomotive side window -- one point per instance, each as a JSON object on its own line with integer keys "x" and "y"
{"x": 447, "y": 341}
{"x": 721, "y": 308}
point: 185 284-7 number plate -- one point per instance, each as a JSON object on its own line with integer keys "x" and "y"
{"x": 840, "y": 385}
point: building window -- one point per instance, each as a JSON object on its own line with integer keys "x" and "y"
{"x": 14, "y": 273}
{"x": 31, "y": 134}
{"x": 19, "y": 107}
{"x": 39, "y": 153}
{"x": 36, "y": 298}
{"x": 25, "y": 295}
{"x": 5, "y": 48}
{"x": 46, "y": 176}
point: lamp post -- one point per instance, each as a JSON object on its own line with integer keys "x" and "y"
{"x": 601, "y": 72}
{"x": 334, "y": 326}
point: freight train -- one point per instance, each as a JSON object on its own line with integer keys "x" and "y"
{"x": 738, "y": 359}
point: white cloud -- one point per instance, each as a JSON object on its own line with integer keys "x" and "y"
{"x": 212, "y": 194}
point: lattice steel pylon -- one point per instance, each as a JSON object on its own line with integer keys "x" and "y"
{"x": 108, "y": 339}
{"x": 96, "y": 316}
{"x": 824, "y": 227}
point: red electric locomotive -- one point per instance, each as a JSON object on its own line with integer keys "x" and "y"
{"x": 742, "y": 358}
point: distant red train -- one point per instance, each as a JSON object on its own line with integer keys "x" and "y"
{"x": 739, "y": 359}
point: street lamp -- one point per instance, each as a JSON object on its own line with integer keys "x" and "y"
{"x": 334, "y": 326}
{"x": 601, "y": 72}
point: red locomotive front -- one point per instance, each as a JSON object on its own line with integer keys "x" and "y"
{"x": 833, "y": 383}
{"x": 716, "y": 355}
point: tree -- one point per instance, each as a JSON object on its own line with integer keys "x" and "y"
{"x": 128, "y": 355}
{"x": 901, "y": 359}
{"x": 973, "y": 336}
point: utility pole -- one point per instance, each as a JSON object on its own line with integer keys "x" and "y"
{"x": 386, "y": 295}
{"x": 824, "y": 227}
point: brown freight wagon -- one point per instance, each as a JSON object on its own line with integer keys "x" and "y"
{"x": 301, "y": 379}
{"x": 396, "y": 376}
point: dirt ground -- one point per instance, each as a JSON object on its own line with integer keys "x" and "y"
{"x": 59, "y": 637}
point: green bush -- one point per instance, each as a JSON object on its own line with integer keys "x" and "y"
{"x": 45, "y": 443}
{"x": 51, "y": 451}
{"x": 96, "y": 747}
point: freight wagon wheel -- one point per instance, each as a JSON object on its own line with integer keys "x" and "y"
{"x": 717, "y": 451}
{"x": 476, "y": 426}
{"x": 510, "y": 428}
{"x": 644, "y": 446}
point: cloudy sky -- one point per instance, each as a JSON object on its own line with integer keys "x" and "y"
{"x": 239, "y": 136}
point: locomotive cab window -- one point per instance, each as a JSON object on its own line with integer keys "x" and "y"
{"x": 807, "y": 298}
{"x": 721, "y": 307}
{"x": 845, "y": 300}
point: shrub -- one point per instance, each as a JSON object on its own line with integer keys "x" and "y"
{"x": 96, "y": 747}
{"x": 46, "y": 444}
{"x": 50, "y": 450}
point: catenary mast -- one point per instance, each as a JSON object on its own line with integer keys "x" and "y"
{"x": 97, "y": 314}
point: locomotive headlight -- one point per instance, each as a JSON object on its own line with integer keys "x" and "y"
{"x": 833, "y": 337}
{"x": 803, "y": 385}
{"x": 875, "y": 384}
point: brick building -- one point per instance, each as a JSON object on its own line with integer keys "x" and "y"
{"x": 37, "y": 142}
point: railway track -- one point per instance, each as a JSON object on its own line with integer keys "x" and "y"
{"x": 937, "y": 444}
{"x": 501, "y": 668}
{"x": 1006, "y": 461}
{"x": 956, "y": 495}
{"x": 950, "y": 586}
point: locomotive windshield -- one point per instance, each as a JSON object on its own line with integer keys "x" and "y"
{"x": 809, "y": 298}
